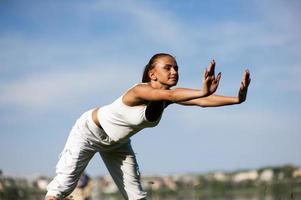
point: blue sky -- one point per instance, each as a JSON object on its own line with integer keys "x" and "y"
{"x": 61, "y": 58}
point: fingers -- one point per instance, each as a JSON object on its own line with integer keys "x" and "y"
{"x": 205, "y": 74}
{"x": 247, "y": 75}
{"x": 218, "y": 77}
{"x": 211, "y": 68}
{"x": 210, "y": 71}
{"x": 246, "y": 78}
{"x": 242, "y": 86}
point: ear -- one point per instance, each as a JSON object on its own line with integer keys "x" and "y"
{"x": 152, "y": 75}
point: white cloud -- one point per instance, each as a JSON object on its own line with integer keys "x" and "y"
{"x": 282, "y": 15}
{"x": 290, "y": 79}
{"x": 60, "y": 88}
{"x": 238, "y": 119}
{"x": 166, "y": 29}
{"x": 151, "y": 23}
{"x": 55, "y": 71}
{"x": 161, "y": 26}
{"x": 20, "y": 51}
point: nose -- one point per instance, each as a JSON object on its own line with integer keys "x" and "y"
{"x": 173, "y": 71}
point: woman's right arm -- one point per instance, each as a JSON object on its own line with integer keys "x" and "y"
{"x": 144, "y": 92}
{"x": 147, "y": 93}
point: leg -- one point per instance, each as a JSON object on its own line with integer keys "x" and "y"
{"x": 123, "y": 167}
{"x": 73, "y": 160}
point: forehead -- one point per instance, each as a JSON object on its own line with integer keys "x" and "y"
{"x": 166, "y": 60}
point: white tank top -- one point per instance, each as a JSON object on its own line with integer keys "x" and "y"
{"x": 121, "y": 121}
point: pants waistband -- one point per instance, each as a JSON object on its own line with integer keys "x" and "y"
{"x": 102, "y": 137}
{"x": 93, "y": 127}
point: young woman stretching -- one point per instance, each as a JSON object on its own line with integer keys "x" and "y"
{"x": 107, "y": 130}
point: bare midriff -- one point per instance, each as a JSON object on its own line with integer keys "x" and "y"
{"x": 95, "y": 118}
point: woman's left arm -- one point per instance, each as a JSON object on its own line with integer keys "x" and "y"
{"x": 218, "y": 100}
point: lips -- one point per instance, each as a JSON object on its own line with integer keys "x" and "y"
{"x": 173, "y": 78}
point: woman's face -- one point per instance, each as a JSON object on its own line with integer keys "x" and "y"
{"x": 165, "y": 71}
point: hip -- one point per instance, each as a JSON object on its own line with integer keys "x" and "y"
{"x": 93, "y": 132}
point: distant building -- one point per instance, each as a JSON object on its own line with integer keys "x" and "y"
{"x": 42, "y": 184}
{"x": 245, "y": 176}
{"x": 190, "y": 179}
{"x": 220, "y": 176}
{"x": 169, "y": 183}
{"x": 1, "y": 188}
{"x": 297, "y": 173}
{"x": 155, "y": 184}
{"x": 266, "y": 175}
{"x": 107, "y": 185}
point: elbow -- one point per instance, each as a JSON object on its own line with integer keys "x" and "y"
{"x": 202, "y": 105}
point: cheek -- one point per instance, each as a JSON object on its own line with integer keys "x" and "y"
{"x": 160, "y": 74}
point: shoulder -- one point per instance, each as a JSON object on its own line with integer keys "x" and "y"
{"x": 140, "y": 87}
{"x": 132, "y": 96}
{"x": 146, "y": 92}
{"x": 136, "y": 87}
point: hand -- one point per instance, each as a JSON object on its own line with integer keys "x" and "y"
{"x": 210, "y": 82}
{"x": 243, "y": 90}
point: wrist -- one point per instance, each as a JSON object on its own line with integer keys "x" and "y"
{"x": 237, "y": 100}
{"x": 203, "y": 93}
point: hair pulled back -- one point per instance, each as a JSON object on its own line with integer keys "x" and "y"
{"x": 150, "y": 65}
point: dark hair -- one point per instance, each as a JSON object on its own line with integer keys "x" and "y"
{"x": 150, "y": 65}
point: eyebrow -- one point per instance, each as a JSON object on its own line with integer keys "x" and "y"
{"x": 170, "y": 65}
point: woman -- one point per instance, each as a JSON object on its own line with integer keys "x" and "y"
{"x": 107, "y": 129}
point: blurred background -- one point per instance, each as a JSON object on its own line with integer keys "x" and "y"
{"x": 61, "y": 58}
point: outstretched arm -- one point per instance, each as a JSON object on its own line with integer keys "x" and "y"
{"x": 217, "y": 100}
{"x": 144, "y": 92}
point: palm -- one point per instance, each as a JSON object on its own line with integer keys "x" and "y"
{"x": 243, "y": 90}
{"x": 210, "y": 82}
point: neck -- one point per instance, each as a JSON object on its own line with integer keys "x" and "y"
{"x": 158, "y": 85}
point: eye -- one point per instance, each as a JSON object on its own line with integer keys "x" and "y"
{"x": 176, "y": 67}
{"x": 167, "y": 67}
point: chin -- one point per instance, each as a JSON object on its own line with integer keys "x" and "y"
{"x": 174, "y": 83}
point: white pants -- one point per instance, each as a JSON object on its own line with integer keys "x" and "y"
{"x": 85, "y": 139}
